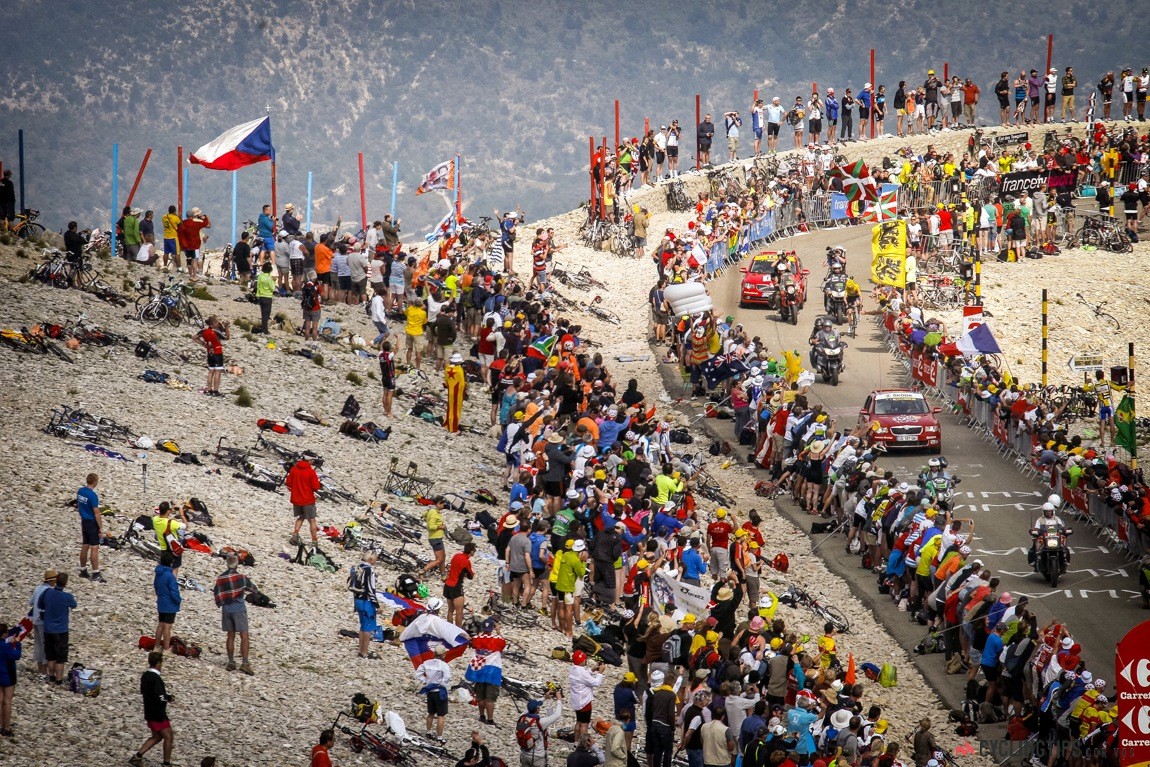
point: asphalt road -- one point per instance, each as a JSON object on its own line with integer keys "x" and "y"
{"x": 1098, "y": 597}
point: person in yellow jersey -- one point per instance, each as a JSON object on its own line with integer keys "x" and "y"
{"x": 1104, "y": 393}
{"x": 171, "y": 246}
{"x": 413, "y": 330}
{"x": 456, "y": 383}
{"x": 433, "y": 520}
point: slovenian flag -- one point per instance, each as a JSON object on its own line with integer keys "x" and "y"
{"x": 242, "y": 145}
{"x": 487, "y": 665}
{"x": 426, "y": 631}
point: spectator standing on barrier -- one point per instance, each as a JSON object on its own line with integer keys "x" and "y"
{"x": 900, "y": 108}
{"x": 865, "y": 100}
{"x": 758, "y": 116}
{"x": 795, "y": 119}
{"x": 1002, "y": 92}
{"x": 733, "y": 121}
{"x": 704, "y": 135}
{"x": 832, "y": 109}
{"x": 1106, "y": 91}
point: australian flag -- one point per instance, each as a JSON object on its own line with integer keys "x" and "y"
{"x": 721, "y": 367}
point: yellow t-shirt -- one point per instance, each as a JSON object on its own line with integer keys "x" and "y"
{"x": 171, "y": 221}
{"x": 434, "y": 521}
{"x": 161, "y": 526}
{"x": 416, "y": 319}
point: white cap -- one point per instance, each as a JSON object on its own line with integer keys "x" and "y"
{"x": 579, "y": 545}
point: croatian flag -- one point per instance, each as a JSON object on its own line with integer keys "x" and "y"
{"x": 487, "y": 665}
{"x": 242, "y": 145}
{"x": 428, "y": 630}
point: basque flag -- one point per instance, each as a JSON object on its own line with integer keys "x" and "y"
{"x": 242, "y": 145}
{"x": 428, "y": 629}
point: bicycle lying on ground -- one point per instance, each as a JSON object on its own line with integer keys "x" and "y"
{"x": 1097, "y": 309}
{"x": 796, "y": 597}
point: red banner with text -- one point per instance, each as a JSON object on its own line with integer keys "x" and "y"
{"x": 1132, "y": 670}
{"x": 924, "y": 368}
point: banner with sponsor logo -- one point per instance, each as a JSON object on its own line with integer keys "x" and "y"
{"x": 1029, "y": 181}
{"x": 690, "y": 599}
{"x": 1132, "y": 672}
{"x": 839, "y": 206}
{"x": 924, "y": 368}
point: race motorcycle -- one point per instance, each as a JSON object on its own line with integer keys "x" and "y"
{"x": 1050, "y": 553}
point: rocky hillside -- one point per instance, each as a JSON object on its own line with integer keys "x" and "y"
{"x": 516, "y": 89}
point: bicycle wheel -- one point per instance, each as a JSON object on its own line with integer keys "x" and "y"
{"x": 154, "y": 313}
{"x": 58, "y": 350}
{"x": 1091, "y": 237}
{"x": 29, "y": 230}
{"x": 832, "y": 615}
{"x": 192, "y": 313}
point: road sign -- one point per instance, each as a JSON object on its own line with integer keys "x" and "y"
{"x": 1132, "y": 672}
{"x": 1086, "y": 362}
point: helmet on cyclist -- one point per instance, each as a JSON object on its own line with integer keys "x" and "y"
{"x": 434, "y": 605}
{"x": 579, "y": 657}
{"x": 1055, "y": 499}
{"x": 934, "y": 463}
{"x": 1048, "y": 510}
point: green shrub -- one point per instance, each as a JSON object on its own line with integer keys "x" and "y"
{"x": 202, "y": 294}
{"x": 244, "y": 397}
{"x": 318, "y": 360}
{"x": 355, "y": 378}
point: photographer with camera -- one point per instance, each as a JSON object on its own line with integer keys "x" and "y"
{"x": 531, "y": 728}
{"x": 733, "y": 122}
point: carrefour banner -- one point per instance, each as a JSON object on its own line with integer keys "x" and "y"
{"x": 888, "y": 253}
{"x": 839, "y": 207}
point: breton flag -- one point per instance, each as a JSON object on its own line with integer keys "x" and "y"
{"x": 442, "y": 176}
{"x": 236, "y": 147}
{"x": 429, "y": 629}
{"x": 857, "y": 181}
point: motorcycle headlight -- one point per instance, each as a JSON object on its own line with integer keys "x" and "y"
{"x": 832, "y": 352}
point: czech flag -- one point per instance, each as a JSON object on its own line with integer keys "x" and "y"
{"x": 427, "y": 630}
{"x": 236, "y": 147}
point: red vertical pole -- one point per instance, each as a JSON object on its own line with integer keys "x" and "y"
{"x": 139, "y": 175}
{"x": 873, "y": 90}
{"x": 646, "y": 126}
{"x": 617, "y": 142}
{"x": 593, "y": 204}
{"x": 946, "y": 71}
{"x": 180, "y": 180}
{"x": 814, "y": 88}
{"x": 1049, "y": 52}
{"x": 755, "y": 97}
{"x": 698, "y": 119}
{"x": 362, "y": 196}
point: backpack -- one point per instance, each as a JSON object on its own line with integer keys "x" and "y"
{"x": 309, "y": 298}
{"x": 186, "y": 649}
{"x": 316, "y": 559}
{"x": 406, "y": 585}
{"x": 672, "y": 649}
{"x": 525, "y": 731}
{"x": 781, "y": 562}
{"x": 364, "y": 709}
{"x": 888, "y": 675}
{"x": 350, "y": 408}
{"x": 357, "y": 581}
{"x": 85, "y": 681}
{"x": 199, "y": 512}
{"x": 153, "y": 376}
{"x": 245, "y": 556}
{"x": 144, "y": 350}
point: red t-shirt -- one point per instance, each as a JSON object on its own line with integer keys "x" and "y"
{"x": 212, "y": 339}
{"x": 320, "y": 757}
{"x": 720, "y": 532}
{"x": 755, "y": 533}
{"x": 486, "y": 344}
{"x": 460, "y": 564}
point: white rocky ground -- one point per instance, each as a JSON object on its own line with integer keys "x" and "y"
{"x": 305, "y": 672}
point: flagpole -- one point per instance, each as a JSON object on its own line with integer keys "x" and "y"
{"x": 394, "y": 186}
{"x": 187, "y": 194}
{"x": 275, "y": 201}
{"x": 235, "y": 203}
{"x": 458, "y": 187}
{"x": 362, "y": 195}
{"x": 115, "y": 194}
{"x": 180, "y": 180}
{"x": 1133, "y": 404}
{"x": 307, "y": 215}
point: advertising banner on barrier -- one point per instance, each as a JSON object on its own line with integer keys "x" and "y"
{"x": 839, "y": 207}
{"x": 1022, "y": 181}
{"x": 924, "y": 368}
{"x": 971, "y": 318}
{"x": 1132, "y": 672}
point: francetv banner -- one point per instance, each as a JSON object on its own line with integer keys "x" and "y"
{"x": 1030, "y": 181}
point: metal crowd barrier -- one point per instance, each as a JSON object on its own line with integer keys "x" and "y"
{"x": 1015, "y": 443}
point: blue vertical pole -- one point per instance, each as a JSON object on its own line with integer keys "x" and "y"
{"x": 20, "y": 134}
{"x": 307, "y": 216}
{"x": 235, "y": 201}
{"x": 394, "y": 187}
{"x": 184, "y": 212}
{"x": 115, "y": 194}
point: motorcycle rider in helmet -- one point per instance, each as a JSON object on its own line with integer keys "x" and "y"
{"x": 824, "y": 334}
{"x": 1048, "y": 520}
{"x": 837, "y": 275}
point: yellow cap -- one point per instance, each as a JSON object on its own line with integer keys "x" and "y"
{"x": 776, "y": 643}
{"x": 689, "y": 618}
{"x": 741, "y": 533}
{"x": 931, "y": 513}
{"x": 711, "y": 637}
{"x": 600, "y": 474}
{"x": 753, "y": 545}
{"x": 569, "y": 544}
{"x": 630, "y": 677}
{"x": 821, "y": 418}
{"x": 643, "y": 564}
{"x": 675, "y": 475}
{"x": 720, "y": 512}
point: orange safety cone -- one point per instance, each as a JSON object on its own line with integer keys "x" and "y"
{"x": 849, "y": 678}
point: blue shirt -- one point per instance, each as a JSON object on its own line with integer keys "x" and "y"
{"x": 832, "y": 105}
{"x": 991, "y": 650}
{"x": 665, "y": 522}
{"x": 610, "y": 430}
{"x": 56, "y": 604}
{"x": 168, "y": 597}
{"x": 265, "y": 227}
{"x": 800, "y": 721}
{"x": 693, "y": 564}
{"x": 748, "y": 729}
{"x": 87, "y": 502}
{"x": 864, "y": 99}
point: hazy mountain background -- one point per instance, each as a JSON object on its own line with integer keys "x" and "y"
{"x": 516, "y": 88}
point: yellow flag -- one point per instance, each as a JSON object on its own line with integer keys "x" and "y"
{"x": 888, "y": 253}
